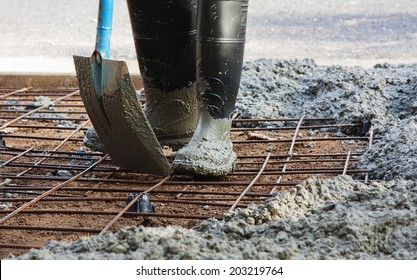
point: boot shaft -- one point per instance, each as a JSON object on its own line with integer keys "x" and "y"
{"x": 221, "y": 26}
{"x": 221, "y": 32}
{"x": 222, "y": 20}
{"x": 164, "y": 35}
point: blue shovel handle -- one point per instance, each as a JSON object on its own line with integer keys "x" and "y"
{"x": 104, "y": 27}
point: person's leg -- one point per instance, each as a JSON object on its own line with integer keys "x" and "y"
{"x": 221, "y": 28}
{"x": 164, "y": 35}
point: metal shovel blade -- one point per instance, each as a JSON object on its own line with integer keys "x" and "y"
{"x": 114, "y": 109}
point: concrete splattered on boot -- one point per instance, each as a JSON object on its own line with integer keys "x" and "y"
{"x": 172, "y": 115}
{"x": 209, "y": 152}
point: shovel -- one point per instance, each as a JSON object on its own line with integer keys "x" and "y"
{"x": 113, "y": 106}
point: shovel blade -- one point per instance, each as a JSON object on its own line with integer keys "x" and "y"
{"x": 117, "y": 116}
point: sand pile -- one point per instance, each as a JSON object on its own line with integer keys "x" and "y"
{"x": 337, "y": 218}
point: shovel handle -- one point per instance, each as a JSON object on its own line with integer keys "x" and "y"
{"x": 104, "y": 27}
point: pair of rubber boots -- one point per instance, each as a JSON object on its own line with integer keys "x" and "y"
{"x": 190, "y": 57}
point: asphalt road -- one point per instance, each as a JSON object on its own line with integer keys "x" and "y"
{"x": 43, "y": 35}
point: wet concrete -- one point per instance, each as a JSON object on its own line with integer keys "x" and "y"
{"x": 91, "y": 140}
{"x": 383, "y": 95}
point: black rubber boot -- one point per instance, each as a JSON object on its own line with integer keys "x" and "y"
{"x": 164, "y": 34}
{"x": 221, "y": 28}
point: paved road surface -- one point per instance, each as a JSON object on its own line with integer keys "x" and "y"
{"x": 43, "y": 35}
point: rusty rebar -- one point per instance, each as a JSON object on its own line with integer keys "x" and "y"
{"x": 240, "y": 157}
{"x": 345, "y": 169}
{"x": 68, "y": 112}
{"x": 281, "y": 120}
{"x": 15, "y": 92}
{"x": 57, "y": 147}
{"x": 252, "y": 183}
{"x": 87, "y": 158}
{"x": 243, "y": 129}
{"x": 87, "y": 193}
{"x": 16, "y": 157}
{"x": 318, "y": 139}
{"x": 371, "y": 138}
{"x": 39, "y": 127}
{"x": 20, "y": 246}
{"x": 47, "y": 118}
{"x": 290, "y": 154}
{"x": 39, "y": 228}
{"x": 112, "y": 213}
{"x": 33, "y": 201}
{"x": 112, "y": 199}
{"x": 129, "y": 181}
{"x": 46, "y": 138}
{"x": 37, "y": 109}
{"x": 306, "y": 172}
{"x": 172, "y": 192}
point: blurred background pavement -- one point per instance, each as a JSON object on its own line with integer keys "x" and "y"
{"x": 41, "y": 36}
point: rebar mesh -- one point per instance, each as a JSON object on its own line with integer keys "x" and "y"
{"x": 55, "y": 188}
